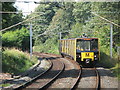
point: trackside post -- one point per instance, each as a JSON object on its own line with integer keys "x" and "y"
{"x": 30, "y": 41}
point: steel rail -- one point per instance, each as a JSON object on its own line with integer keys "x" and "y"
{"x": 35, "y": 78}
{"x": 46, "y": 84}
{"x": 97, "y": 80}
{"x": 97, "y": 84}
{"x": 78, "y": 79}
{"x": 55, "y": 77}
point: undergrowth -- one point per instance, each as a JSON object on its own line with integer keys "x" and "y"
{"x": 15, "y": 61}
{"x": 106, "y": 62}
{"x": 43, "y": 48}
{"x": 5, "y": 85}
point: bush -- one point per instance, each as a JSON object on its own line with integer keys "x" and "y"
{"x": 15, "y": 61}
{"x": 50, "y": 46}
{"x": 18, "y": 38}
{"x": 116, "y": 70}
{"x": 105, "y": 60}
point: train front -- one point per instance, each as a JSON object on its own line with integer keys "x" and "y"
{"x": 87, "y": 51}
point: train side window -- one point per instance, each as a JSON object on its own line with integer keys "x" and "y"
{"x": 80, "y": 45}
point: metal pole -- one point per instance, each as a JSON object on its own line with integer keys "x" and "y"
{"x": 118, "y": 51}
{"x": 60, "y": 35}
{"x": 111, "y": 40}
{"x": 30, "y": 41}
{"x": 0, "y": 39}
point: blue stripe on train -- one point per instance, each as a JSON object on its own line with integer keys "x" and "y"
{"x": 88, "y": 51}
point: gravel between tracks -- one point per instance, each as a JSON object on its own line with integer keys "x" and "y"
{"x": 107, "y": 79}
{"x": 48, "y": 76}
{"x": 41, "y": 68}
{"x": 68, "y": 77}
{"x": 88, "y": 78}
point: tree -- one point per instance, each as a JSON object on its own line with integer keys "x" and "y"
{"x": 108, "y": 10}
{"x": 42, "y": 22}
{"x": 82, "y": 12}
{"x": 62, "y": 20}
{"x": 18, "y": 38}
{"x": 9, "y": 19}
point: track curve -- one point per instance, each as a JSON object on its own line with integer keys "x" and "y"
{"x": 49, "y": 76}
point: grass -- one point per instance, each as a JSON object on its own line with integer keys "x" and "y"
{"x": 5, "y": 85}
{"x": 108, "y": 63}
{"x": 116, "y": 70}
{"x": 15, "y": 61}
{"x": 44, "y": 48}
{"x": 104, "y": 56}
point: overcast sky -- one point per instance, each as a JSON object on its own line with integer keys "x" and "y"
{"x": 26, "y": 7}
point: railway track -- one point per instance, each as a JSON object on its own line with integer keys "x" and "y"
{"x": 68, "y": 73}
{"x": 97, "y": 80}
{"x": 33, "y": 79}
{"x": 89, "y": 78}
{"x": 43, "y": 80}
{"x": 78, "y": 77}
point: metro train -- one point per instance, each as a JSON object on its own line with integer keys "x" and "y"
{"x": 83, "y": 50}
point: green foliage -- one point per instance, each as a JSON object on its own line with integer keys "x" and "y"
{"x": 74, "y": 19}
{"x": 82, "y": 12}
{"x": 109, "y": 11}
{"x": 19, "y": 39}
{"x": 5, "y": 85}
{"x": 50, "y": 46}
{"x": 77, "y": 30}
{"x": 15, "y": 61}
{"x": 62, "y": 20}
{"x": 43, "y": 21}
{"x": 116, "y": 70}
{"x": 10, "y": 19}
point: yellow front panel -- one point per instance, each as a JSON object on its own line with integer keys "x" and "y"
{"x": 87, "y": 55}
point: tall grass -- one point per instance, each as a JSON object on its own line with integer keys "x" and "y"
{"x": 105, "y": 60}
{"x": 44, "y": 48}
{"x": 113, "y": 63}
{"x": 15, "y": 61}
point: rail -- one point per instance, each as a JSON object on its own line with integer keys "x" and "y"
{"x": 48, "y": 83}
{"x": 97, "y": 79}
{"x": 78, "y": 79}
{"x": 35, "y": 78}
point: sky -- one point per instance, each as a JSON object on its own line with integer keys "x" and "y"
{"x": 26, "y": 7}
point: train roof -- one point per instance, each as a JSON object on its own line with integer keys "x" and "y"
{"x": 79, "y": 38}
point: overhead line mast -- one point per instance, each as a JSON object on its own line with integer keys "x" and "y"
{"x": 105, "y": 19}
{"x": 19, "y": 23}
{"x": 111, "y": 31}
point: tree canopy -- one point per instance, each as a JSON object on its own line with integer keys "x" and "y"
{"x": 9, "y": 19}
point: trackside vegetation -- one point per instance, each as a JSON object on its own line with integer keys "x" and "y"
{"x": 71, "y": 19}
{"x": 15, "y": 61}
{"x": 74, "y": 19}
{"x": 18, "y": 39}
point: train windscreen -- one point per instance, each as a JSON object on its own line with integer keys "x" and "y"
{"x": 87, "y": 45}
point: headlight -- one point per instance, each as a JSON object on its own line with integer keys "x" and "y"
{"x": 95, "y": 55}
{"x": 96, "y": 58}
